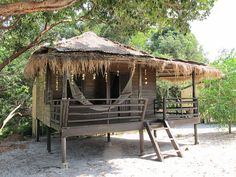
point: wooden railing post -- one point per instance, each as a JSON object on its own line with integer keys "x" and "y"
{"x": 64, "y": 112}
{"x": 194, "y": 111}
{"x": 141, "y": 135}
{"x": 61, "y": 113}
{"x": 164, "y": 108}
{"x": 144, "y": 109}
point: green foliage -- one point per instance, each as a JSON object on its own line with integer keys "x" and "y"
{"x": 120, "y": 19}
{"x": 176, "y": 45}
{"x": 168, "y": 90}
{"x": 169, "y": 43}
{"x": 220, "y": 94}
{"x": 14, "y": 90}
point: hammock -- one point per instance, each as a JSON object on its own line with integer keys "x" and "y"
{"x": 79, "y": 96}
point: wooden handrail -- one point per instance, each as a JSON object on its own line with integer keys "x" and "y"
{"x": 182, "y": 108}
{"x": 66, "y": 108}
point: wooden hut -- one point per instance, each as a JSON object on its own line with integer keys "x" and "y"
{"x": 90, "y": 85}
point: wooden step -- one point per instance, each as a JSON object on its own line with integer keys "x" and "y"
{"x": 173, "y": 141}
{"x": 155, "y": 145}
{"x": 153, "y": 140}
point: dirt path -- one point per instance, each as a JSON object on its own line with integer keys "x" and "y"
{"x": 214, "y": 156}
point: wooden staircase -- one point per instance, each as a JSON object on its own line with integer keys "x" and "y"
{"x": 156, "y": 147}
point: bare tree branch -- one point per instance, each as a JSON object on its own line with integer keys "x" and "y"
{"x": 29, "y": 6}
{"x": 10, "y": 116}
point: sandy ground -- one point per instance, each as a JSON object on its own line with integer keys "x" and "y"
{"x": 214, "y": 156}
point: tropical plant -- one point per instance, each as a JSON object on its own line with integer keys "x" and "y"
{"x": 220, "y": 105}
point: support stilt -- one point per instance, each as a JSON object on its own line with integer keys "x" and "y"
{"x": 195, "y": 135}
{"x": 155, "y": 133}
{"x": 108, "y": 137}
{"x": 63, "y": 150}
{"x": 49, "y": 139}
{"x": 141, "y": 142}
{"x": 37, "y": 130}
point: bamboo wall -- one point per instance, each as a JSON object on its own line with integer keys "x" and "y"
{"x": 40, "y": 110}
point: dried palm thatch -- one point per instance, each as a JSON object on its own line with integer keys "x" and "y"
{"x": 90, "y": 53}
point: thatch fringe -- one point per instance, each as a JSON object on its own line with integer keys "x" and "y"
{"x": 37, "y": 65}
{"x": 91, "y": 62}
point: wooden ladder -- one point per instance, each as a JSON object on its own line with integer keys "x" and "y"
{"x": 156, "y": 147}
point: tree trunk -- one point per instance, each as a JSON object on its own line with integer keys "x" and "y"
{"x": 29, "y": 6}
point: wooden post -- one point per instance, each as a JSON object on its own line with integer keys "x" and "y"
{"x": 64, "y": 99}
{"x": 230, "y": 126}
{"x": 64, "y": 89}
{"x": 164, "y": 108}
{"x": 48, "y": 86}
{"x": 140, "y": 86}
{"x": 141, "y": 142}
{"x": 108, "y": 137}
{"x": 194, "y": 105}
{"x": 155, "y": 133}
{"x": 63, "y": 150}
{"x": 37, "y": 130}
{"x": 108, "y": 95}
{"x": 49, "y": 139}
{"x": 34, "y": 106}
{"x": 64, "y": 110}
{"x": 141, "y": 136}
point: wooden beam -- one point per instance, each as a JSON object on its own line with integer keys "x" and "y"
{"x": 63, "y": 150}
{"x": 194, "y": 105}
{"x": 141, "y": 141}
{"x": 108, "y": 95}
{"x": 176, "y": 122}
{"x": 64, "y": 103}
{"x": 172, "y": 76}
{"x": 101, "y": 128}
{"x": 64, "y": 88}
{"x": 49, "y": 139}
{"x": 48, "y": 85}
{"x": 37, "y": 129}
{"x": 140, "y": 85}
{"x": 194, "y": 84}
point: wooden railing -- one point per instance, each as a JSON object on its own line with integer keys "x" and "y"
{"x": 69, "y": 112}
{"x": 176, "y": 108}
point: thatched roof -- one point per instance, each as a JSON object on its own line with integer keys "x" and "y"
{"x": 90, "y": 53}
